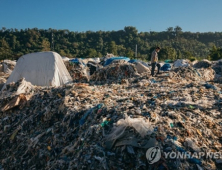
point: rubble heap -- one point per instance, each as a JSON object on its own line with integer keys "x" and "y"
{"x": 78, "y": 72}
{"x": 15, "y": 88}
{"x": 6, "y": 68}
{"x": 191, "y": 74}
{"x": 87, "y": 126}
{"x": 217, "y": 66}
{"x": 117, "y": 70}
{"x": 202, "y": 64}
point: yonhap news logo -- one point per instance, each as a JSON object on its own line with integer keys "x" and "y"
{"x": 153, "y": 155}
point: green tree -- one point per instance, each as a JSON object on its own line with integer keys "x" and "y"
{"x": 112, "y": 48}
{"x": 170, "y": 29}
{"x": 99, "y": 54}
{"x": 177, "y": 31}
{"x": 62, "y": 53}
{"x": 16, "y": 42}
{"x": 91, "y": 53}
{"x": 179, "y": 54}
{"x": 187, "y": 55}
{"x": 5, "y": 51}
{"x": 130, "y": 53}
{"x": 121, "y": 50}
{"x": 45, "y": 45}
{"x": 215, "y": 53}
{"x": 167, "y": 53}
{"x": 131, "y": 30}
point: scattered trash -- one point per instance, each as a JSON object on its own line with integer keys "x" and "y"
{"x": 78, "y": 70}
{"x": 181, "y": 63}
{"x": 202, "y": 64}
{"x": 166, "y": 67}
{"x": 111, "y": 121}
{"x": 113, "y": 59}
{"x": 115, "y": 72}
{"x": 141, "y": 68}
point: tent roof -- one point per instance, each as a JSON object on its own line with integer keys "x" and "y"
{"x": 42, "y": 69}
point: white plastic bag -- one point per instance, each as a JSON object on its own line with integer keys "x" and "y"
{"x": 142, "y": 127}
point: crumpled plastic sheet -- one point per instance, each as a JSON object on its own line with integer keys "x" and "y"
{"x": 142, "y": 127}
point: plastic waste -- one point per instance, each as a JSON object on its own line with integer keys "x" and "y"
{"x": 111, "y": 121}
{"x": 82, "y": 120}
{"x": 141, "y": 126}
{"x": 210, "y": 86}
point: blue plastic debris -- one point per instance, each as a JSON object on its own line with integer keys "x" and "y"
{"x": 180, "y": 149}
{"x": 110, "y": 60}
{"x": 132, "y": 61}
{"x": 166, "y": 67}
{"x": 168, "y": 61}
{"x": 155, "y": 129}
{"x": 209, "y": 86}
{"x": 146, "y": 114}
{"x": 138, "y": 61}
{"x": 174, "y": 138}
{"x": 82, "y": 120}
{"x": 171, "y": 137}
{"x": 153, "y": 81}
{"x": 161, "y": 167}
{"x": 195, "y": 161}
{"x": 197, "y": 72}
{"x": 190, "y": 158}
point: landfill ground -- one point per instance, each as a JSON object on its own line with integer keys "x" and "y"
{"x": 109, "y": 124}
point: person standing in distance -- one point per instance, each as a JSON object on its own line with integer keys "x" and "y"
{"x": 154, "y": 60}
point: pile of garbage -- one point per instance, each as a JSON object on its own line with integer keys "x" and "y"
{"x": 208, "y": 74}
{"x": 110, "y": 68}
{"x": 141, "y": 67}
{"x": 120, "y": 68}
{"x": 191, "y": 74}
{"x": 202, "y": 64}
{"x": 217, "y": 67}
{"x": 181, "y": 63}
{"x": 111, "y": 126}
{"x": 116, "y": 71}
{"x": 6, "y": 68}
{"x": 166, "y": 67}
{"x": 16, "y": 88}
{"x": 78, "y": 70}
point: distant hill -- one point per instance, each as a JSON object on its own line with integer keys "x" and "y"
{"x": 174, "y": 43}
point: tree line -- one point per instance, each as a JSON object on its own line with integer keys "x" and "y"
{"x": 174, "y": 43}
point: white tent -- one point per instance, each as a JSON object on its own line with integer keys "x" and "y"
{"x": 41, "y": 69}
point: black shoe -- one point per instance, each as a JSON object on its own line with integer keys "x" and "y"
{"x": 158, "y": 73}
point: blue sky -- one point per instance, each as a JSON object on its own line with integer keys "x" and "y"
{"x": 108, "y": 15}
